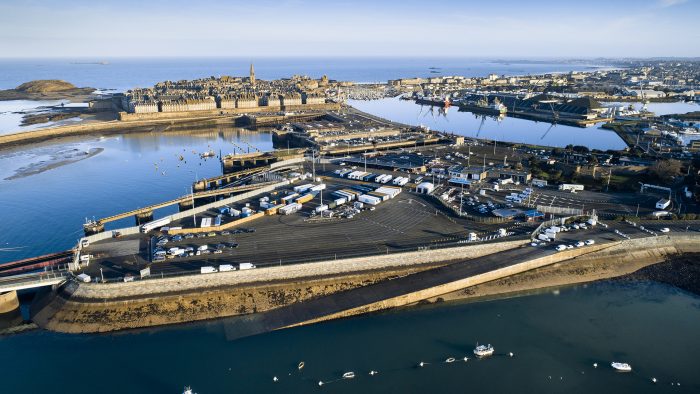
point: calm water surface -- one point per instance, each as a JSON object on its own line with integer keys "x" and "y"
{"x": 653, "y": 327}
{"x": 507, "y": 128}
{"x": 43, "y": 213}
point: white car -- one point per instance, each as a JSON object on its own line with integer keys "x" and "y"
{"x": 569, "y": 246}
{"x": 534, "y": 244}
{"x": 579, "y": 244}
{"x": 665, "y": 230}
{"x": 575, "y": 226}
{"x": 590, "y": 242}
{"x": 561, "y": 247}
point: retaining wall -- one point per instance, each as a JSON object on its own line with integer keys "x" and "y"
{"x": 195, "y": 282}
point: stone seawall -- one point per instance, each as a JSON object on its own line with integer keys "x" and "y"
{"x": 107, "y": 307}
{"x": 94, "y": 307}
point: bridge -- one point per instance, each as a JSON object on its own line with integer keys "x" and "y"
{"x": 33, "y": 280}
{"x": 49, "y": 269}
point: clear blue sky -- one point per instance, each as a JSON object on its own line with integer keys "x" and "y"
{"x": 501, "y": 28}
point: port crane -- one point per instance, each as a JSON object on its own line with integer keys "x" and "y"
{"x": 555, "y": 116}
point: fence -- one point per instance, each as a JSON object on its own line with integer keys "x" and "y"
{"x": 560, "y": 210}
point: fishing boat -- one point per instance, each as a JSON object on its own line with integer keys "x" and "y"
{"x": 209, "y": 153}
{"x": 621, "y": 367}
{"x": 483, "y": 350}
{"x": 348, "y": 375}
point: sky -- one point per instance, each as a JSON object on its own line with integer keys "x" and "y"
{"x": 446, "y": 28}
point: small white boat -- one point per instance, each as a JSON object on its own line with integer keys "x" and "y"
{"x": 188, "y": 390}
{"x": 483, "y": 350}
{"x": 622, "y": 367}
{"x": 450, "y": 360}
{"x": 301, "y": 365}
{"x": 348, "y": 375}
{"x": 372, "y": 373}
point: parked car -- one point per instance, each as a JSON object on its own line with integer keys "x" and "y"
{"x": 665, "y": 230}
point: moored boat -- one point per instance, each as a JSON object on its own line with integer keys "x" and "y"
{"x": 483, "y": 350}
{"x": 621, "y": 367}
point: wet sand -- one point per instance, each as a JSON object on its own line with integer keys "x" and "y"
{"x": 56, "y": 160}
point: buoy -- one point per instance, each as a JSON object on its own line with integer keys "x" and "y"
{"x": 653, "y": 380}
{"x": 320, "y": 383}
{"x": 595, "y": 365}
{"x": 550, "y": 377}
{"x": 274, "y": 378}
{"x": 510, "y": 354}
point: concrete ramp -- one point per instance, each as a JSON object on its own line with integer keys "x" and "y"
{"x": 401, "y": 291}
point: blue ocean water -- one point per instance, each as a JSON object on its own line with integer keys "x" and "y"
{"x": 125, "y": 73}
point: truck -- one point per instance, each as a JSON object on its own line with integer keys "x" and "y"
{"x": 84, "y": 278}
{"x": 226, "y": 267}
{"x": 155, "y": 224}
{"x": 245, "y": 266}
{"x": 544, "y": 237}
{"x": 207, "y": 270}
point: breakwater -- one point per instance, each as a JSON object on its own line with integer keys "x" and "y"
{"x": 95, "y": 307}
{"x": 278, "y": 297}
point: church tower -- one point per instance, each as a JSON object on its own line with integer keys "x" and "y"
{"x": 252, "y": 74}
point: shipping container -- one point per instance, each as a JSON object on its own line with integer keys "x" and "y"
{"x": 332, "y": 205}
{"x": 318, "y": 188}
{"x": 226, "y": 267}
{"x": 340, "y": 201}
{"x": 207, "y": 270}
{"x": 321, "y": 208}
{"x": 155, "y": 224}
{"x": 302, "y": 188}
{"x": 273, "y": 210}
{"x": 288, "y": 198}
{"x": 305, "y": 198}
{"x": 380, "y": 196}
{"x": 389, "y": 190}
{"x": 289, "y": 209}
{"x": 217, "y": 221}
{"x": 368, "y": 199}
{"x": 206, "y": 222}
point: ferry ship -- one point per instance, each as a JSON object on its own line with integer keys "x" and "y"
{"x": 483, "y": 106}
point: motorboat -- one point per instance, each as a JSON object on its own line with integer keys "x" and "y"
{"x": 348, "y": 375}
{"x": 301, "y": 365}
{"x": 188, "y": 390}
{"x": 483, "y": 350}
{"x": 622, "y": 367}
{"x": 450, "y": 360}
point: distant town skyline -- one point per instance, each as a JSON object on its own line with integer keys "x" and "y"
{"x": 541, "y": 28}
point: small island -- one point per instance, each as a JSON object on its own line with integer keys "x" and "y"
{"x": 47, "y": 89}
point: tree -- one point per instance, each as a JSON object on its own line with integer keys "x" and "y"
{"x": 665, "y": 171}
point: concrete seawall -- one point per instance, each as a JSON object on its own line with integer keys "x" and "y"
{"x": 278, "y": 297}
{"x": 8, "y": 302}
{"x": 94, "y": 307}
